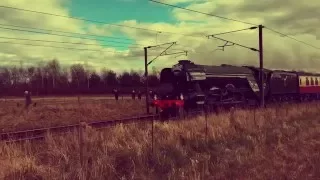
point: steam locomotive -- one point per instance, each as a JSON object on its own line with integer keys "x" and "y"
{"x": 186, "y": 86}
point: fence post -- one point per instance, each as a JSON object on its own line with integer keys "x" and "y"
{"x": 254, "y": 116}
{"x": 152, "y": 124}
{"x": 81, "y": 146}
{"x": 206, "y": 119}
{"x": 80, "y": 139}
{"x": 81, "y": 142}
{"x": 232, "y": 118}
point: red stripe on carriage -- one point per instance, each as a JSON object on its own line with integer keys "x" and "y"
{"x": 309, "y": 89}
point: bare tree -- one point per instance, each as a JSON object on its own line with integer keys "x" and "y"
{"x": 54, "y": 70}
{"x": 78, "y": 74}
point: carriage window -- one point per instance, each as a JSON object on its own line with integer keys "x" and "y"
{"x": 312, "y": 81}
{"x": 307, "y": 81}
{"x": 316, "y": 81}
{"x": 300, "y": 82}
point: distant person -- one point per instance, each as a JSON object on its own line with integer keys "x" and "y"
{"x": 28, "y": 100}
{"x": 151, "y": 94}
{"x": 116, "y": 94}
{"x": 139, "y": 95}
{"x": 133, "y": 94}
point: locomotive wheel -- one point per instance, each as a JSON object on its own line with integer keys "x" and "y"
{"x": 164, "y": 114}
{"x": 176, "y": 112}
{"x": 180, "y": 112}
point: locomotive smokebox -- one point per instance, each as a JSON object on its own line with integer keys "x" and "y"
{"x": 185, "y": 62}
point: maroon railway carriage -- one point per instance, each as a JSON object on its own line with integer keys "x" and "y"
{"x": 309, "y": 85}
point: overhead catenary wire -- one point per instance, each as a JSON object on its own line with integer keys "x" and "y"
{"x": 100, "y": 22}
{"x": 157, "y": 31}
{"x": 221, "y": 17}
{"x": 286, "y": 35}
{"x": 228, "y": 32}
{"x": 233, "y": 43}
{"x": 31, "y": 31}
{"x": 214, "y": 35}
{"x": 68, "y": 48}
{"x": 75, "y": 33}
{"x": 106, "y": 40}
{"x": 104, "y": 23}
{"x": 75, "y": 18}
{"x": 99, "y": 36}
{"x": 117, "y": 25}
{"x": 75, "y": 37}
{"x": 41, "y": 45}
{"x": 65, "y": 42}
{"x": 65, "y": 32}
{"x": 62, "y": 35}
{"x": 94, "y": 21}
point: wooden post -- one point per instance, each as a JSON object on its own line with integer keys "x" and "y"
{"x": 261, "y": 66}
{"x": 152, "y": 134}
{"x": 146, "y": 76}
{"x": 206, "y": 119}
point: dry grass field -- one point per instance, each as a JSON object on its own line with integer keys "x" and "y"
{"x": 65, "y": 110}
{"x": 275, "y": 143}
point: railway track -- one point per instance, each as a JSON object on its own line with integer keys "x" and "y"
{"x": 40, "y": 133}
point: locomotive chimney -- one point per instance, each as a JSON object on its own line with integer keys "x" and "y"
{"x": 184, "y": 62}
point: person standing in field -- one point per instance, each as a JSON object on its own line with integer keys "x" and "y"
{"x": 133, "y": 94}
{"x": 116, "y": 94}
{"x": 151, "y": 94}
{"x": 139, "y": 95}
{"x": 28, "y": 100}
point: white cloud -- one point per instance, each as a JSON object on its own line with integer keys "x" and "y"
{"x": 280, "y": 52}
{"x": 11, "y": 53}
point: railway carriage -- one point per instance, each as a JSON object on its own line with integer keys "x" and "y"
{"x": 283, "y": 86}
{"x": 309, "y": 86}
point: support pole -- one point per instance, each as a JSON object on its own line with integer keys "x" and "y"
{"x": 261, "y": 66}
{"x": 146, "y": 64}
{"x": 146, "y": 76}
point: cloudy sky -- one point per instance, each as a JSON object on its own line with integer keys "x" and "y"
{"x": 121, "y": 28}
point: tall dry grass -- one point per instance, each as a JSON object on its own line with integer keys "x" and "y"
{"x": 69, "y": 111}
{"x": 275, "y": 143}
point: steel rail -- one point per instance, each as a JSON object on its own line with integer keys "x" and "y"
{"x": 25, "y": 134}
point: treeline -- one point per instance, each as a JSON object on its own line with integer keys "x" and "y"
{"x": 52, "y": 79}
